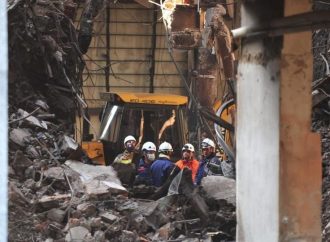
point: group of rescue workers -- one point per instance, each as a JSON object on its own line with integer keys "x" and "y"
{"x": 153, "y": 171}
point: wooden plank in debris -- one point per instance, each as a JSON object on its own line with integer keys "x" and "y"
{"x": 49, "y": 202}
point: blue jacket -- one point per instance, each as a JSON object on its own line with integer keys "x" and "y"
{"x": 160, "y": 170}
{"x": 208, "y": 166}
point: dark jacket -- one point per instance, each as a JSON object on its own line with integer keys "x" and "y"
{"x": 210, "y": 165}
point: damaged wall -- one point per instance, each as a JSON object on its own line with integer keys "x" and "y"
{"x": 130, "y": 59}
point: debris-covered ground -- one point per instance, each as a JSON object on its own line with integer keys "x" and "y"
{"x": 321, "y": 124}
{"x": 321, "y": 111}
{"x": 53, "y": 194}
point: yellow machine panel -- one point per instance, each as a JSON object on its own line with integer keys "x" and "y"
{"x": 94, "y": 150}
{"x": 145, "y": 98}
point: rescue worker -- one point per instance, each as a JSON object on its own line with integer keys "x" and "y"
{"x": 188, "y": 160}
{"x": 124, "y": 163}
{"x": 210, "y": 163}
{"x": 143, "y": 170}
{"x": 162, "y": 167}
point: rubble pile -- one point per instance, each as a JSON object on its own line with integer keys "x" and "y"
{"x": 321, "y": 111}
{"x": 44, "y": 59}
{"x": 81, "y": 202}
{"x": 321, "y": 124}
{"x": 324, "y": 130}
{"x": 53, "y": 198}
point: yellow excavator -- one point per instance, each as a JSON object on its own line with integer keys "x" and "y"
{"x": 146, "y": 116}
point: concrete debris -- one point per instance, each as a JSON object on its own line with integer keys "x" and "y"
{"x": 98, "y": 180}
{"x": 87, "y": 209}
{"x": 56, "y": 173}
{"x": 78, "y": 234}
{"x": 67, "y": 145}
{"x": 109, "y": 218}
{"x": 19, "y": 136}
{"x": 30, "y": 121}
{"x": 220, "y": 188}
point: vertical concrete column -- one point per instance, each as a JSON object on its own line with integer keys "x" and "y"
{"x": 300, "y": 154}
{"x": 258, "y": 129}
{"x": 3, "y": 120}
{"x": 206, "y": 83}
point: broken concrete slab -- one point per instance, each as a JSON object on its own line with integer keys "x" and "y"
{"x": 56, "y": 173}
{"x": 109, "y": 217}
{"x": 78, "y": 234}
{"x": 20, "y": 136}
{"x": 30, "y": 121}
{"x": 220, "y": 188}
{"x": 67, "y": 145}
{"x": 95, "y": 188}
{"x": 98, "y": 180}
{"x": 87, "y": 209}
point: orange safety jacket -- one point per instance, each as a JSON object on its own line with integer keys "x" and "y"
{"x": 193, "y": 165}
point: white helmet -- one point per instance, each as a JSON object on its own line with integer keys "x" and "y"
{"x": 207, "y": 143}
{"x": 149, "y": 146}
{"x": 165, "y": 147}
{"x": 188, "y": 147}
{"x": 129, "y": 138}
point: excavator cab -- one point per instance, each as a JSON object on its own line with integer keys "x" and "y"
{"x": 146, "y": 116}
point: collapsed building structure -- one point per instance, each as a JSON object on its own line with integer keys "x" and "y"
{"x": 50, "y": 88}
